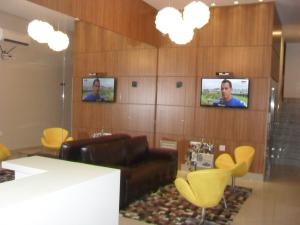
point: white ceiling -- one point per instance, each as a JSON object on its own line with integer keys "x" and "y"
{"x": 289, "y": 12}
{"x": 31, "y": 11}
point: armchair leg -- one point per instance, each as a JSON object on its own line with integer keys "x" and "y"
{"x": 224, "y": 202}
{"x": 202, "y": 216}
{"x": 233, "y": 183}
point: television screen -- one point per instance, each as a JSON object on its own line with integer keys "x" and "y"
{"x": 220, "y": 92}
{"x": 98, "y": 89}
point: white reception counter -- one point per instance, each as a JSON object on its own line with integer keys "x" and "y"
{"x": 56, "y": 192}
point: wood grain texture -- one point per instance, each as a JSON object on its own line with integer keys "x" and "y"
{"x": 243, "y": 25}
{"x": 176, "y": 91}
{"x": 131, "y": 18}
{"x": 145, "y": 91}
{"x": 246, "y": 61}
{"x": 170, "y": 120}
{"x": 177, "y": 61}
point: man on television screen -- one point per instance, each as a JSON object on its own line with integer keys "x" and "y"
{"x": 95, "y": 96}
{"x": 227, "y": 99}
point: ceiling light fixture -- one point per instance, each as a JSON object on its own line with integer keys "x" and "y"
{"x": 213, "y": 4}
{"x": 236, "y": 2}
{"x": 167, "y": 19}
{"x": 196, "y": 14}
{"x": 58, "y": 41}
{"x": 43, "y": 32}
{"x": 181, "y": 27}
{"x": 40, "y": 31}
{"x": 182, "y": 34}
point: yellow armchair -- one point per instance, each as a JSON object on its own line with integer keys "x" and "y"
{"x": 53, "y": 138}
{"x": 4, "y": 152}
{"x": 243, "y": 159}
{"x": 203, "y": 188}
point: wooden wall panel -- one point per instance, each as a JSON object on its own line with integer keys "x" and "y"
{"x": 170, "y": 120}
{"x": 237, "y": 39}
{"x": 127, "y": 60}
{"x": 141, "y": 118}
{"x": 259, "y": 94}
{"x": 189, "y": 122}
{"x": 123, "y": 90}
{"x": 92, "y": 115}
{"x": 243, "y": 25}
{"x": 120, "y": 114}
{"x": 131, "y": 18}
{"x": 177, "y": 61}
{"x": 137, "y": 62}
{"x": 246, "y": 61}
{"x": 169, "y": 94}
{"x": 140, "y": 94}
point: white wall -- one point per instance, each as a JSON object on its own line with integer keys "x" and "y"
{"x": 292, "y": 71}
{"x": 30, "y": 91}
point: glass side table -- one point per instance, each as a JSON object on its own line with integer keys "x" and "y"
{"x": 199, "y": 156}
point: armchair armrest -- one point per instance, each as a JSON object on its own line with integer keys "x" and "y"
{"x": 163, "y": 153}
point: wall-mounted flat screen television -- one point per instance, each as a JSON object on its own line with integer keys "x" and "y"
{"x": 220, "y": 92}
{"x": 98, "y": 89}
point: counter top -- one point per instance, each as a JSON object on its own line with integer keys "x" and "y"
{"x": 37, "y": 176}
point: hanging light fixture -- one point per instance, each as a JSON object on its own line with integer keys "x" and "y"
{"x": 181, "y": 27}
{"x": 196, "y": 14}
{"x": 40, "y": 31}
{"x": 183, "y": 34}
{"x": 167, "y": 19}
{"x": 58, "y": 41}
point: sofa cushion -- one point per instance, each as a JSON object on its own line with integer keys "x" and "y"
{"x": 110, "y": 152}
{"x": 137, "y": 149}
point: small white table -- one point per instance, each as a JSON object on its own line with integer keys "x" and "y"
{"x": 56, "y": 192}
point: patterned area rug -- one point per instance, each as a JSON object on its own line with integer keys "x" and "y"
{"x": 167, "y": 207}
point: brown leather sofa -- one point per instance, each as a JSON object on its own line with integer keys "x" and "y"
{"x": 143, "y": 169}
{"x": 71, "y": 150}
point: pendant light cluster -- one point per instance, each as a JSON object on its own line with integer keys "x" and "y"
{"x": 43, "y": 32}
{"x": 180, "y": 27}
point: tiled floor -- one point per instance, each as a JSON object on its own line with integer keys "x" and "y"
{"x": 275, "y": 202}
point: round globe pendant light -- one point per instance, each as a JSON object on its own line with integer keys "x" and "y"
{"x": 181, "y": 27}
{"x": 58, "y": 41}
{"x": 183, "y": 34}
{"x": 167, "y": 19}
{"x": 196, "y": 14}
{"x": 40, "y": 31}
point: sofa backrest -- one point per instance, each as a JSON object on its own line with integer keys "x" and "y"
{"x": 71, "y": 150}
{"x": 137, "y": 149}
{"x": 112, "y": 152}
{"x": 123, "y": 152}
